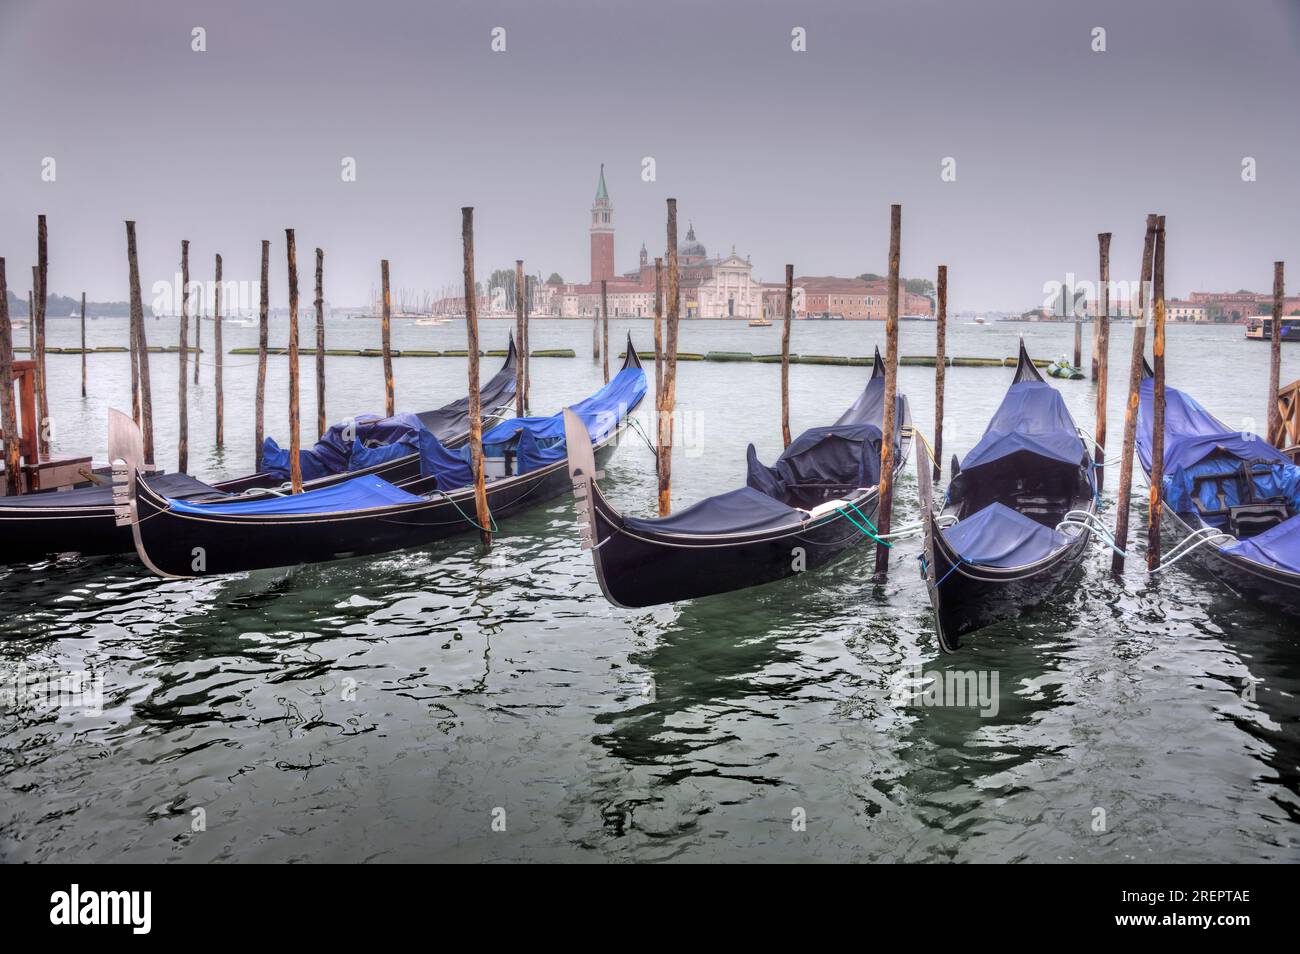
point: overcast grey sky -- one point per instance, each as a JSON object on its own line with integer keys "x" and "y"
{"x": 789, "y": 156}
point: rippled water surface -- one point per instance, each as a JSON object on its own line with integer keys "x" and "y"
{"x": 395, "y": 708}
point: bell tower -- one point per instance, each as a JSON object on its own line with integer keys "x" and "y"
{"x": 602, "y": 232}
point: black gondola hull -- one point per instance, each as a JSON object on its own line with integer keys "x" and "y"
{"x": 45, "y": 524}
{"x": 638, "y": 569}
{"x": 186, "y": 545}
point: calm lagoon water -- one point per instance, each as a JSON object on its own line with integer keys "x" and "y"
{"x": 392, "y": 709}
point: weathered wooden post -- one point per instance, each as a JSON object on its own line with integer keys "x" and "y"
{"x": 8, "y": 411}
{"x": 182, "y": 360}
{"x": 1078, "y": 336}
{"x": 198, "y": 334}
{"x": 31, "y": 316}
{"x": 1131, "y": 407}
{"x": 525, "y": 345}
{"x": 785, "y": 356}
{"x": 475, "y": 399}
{"x": 659, "y": 320}
{"x": 83, "y": 344}
{"x": 604, "y": 325}
{"x": 1101, "y": 356}
{"x": 321, "y": 424}
{"x": 519, "y": 336}
{"x": 386, "y": 332}
{"x": 1276, "y": 433}
{"x": 216, "y": 334}
{"x": 889, "y": 423}
{"x": 595, "y": 334}
{"x": 263, "y": 333}
{"x": 668, "y": 398}
{"x": 295, "y": 436}
{"x": 940, "y": 370}
{"x": 141, "y": 346}
{"x": 1157, "y": 404}
{"x": 42, "y": 298}
{"x": 133, "y": 346}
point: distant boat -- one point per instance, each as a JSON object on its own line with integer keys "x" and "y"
{"x": 433, "y": 320}
{"x": 917, "y": 318}
{"x": 1260, "y": 328}
{"x": 979, "y": 321}
{"x": 759, "y": 323}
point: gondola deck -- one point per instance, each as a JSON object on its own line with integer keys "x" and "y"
{"x": 997, "y": 548}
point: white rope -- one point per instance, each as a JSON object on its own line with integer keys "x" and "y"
{"x": 1189, "y": 543}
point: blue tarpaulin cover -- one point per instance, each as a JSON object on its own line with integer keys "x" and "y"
{"x": 537, "y": 441}
{"x": 359, "y": 493}
{"x": 1031, "y": 418}
{"x": 847, "y": 454}
{"x": 374, "y": 440}
{"x": 1002, "y": 537}
{"x": 1278, "y": 547}
{"x": 737, "y": 511}
{"x": 1192, "y": 433}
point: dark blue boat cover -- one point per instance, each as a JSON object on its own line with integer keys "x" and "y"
{"x": 538, "y": 441}
{"x": 359, "y": 493}
{"x": 738, "y": 511}
{"x": 1002, "y": 537}
{"x": 356, "y": 445}
{"x": 1192, "y": 433}
{"x": 173, "y": 485}
{"x": 1277, "y": 547}
{"x": 1032, "y": 418}
{"x": 847, "y": 454}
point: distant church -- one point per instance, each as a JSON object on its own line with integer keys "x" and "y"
{"x": 719, "y": 287}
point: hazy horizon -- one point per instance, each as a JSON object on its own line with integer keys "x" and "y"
{"x": 788, "y": 156}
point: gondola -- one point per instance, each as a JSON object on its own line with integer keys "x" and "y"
{"x": 817, "y": 501}
{"x": 36, "y": 526}
{"x": 1015, "y": 522}
{"x": 525, "y": 465}
{"x": 1231, "y": 500}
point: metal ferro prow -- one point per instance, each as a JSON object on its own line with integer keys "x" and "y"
{"x": 582, "y": 472}
{"x": 125, "y": 454}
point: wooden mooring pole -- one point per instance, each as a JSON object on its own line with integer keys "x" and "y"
{"x": 475, "y": 399}
{"x": 141, "y": 346}
{"x": 1131, "y": 407}
{"x": 1156, "y": 501}
{"x": 42, "y": 299}
{"x": 1078, "y": 339}
{"x": 182, "y": 360}
{"x": 659, "y": 337}
{"x": 295, "y": 435}
{"x": 1276, "y": 432}
{"x": 216, "y": 334}
{"x": 83, "y": 344}
{"x": 198, "y": 335}
{"x": 668, "y": 397}
{"x": 1101, "y": 356}
{"x": 519, "y": 336}
{"x": 940, "y": 349}
{"x": 8, "y": 410}
{"x": 321, "y": 424}
{"x": 604, "y": 327}
{"x": 386, "y": 332}
{"x": 263, "y": 334}
{"x": 785, "y": 356}
{"x": 889, "y": 423}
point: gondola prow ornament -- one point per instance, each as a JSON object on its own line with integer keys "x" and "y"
{"x": 582, "y": 471}
{"x": 125, "y": 452}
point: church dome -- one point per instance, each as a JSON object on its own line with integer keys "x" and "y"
{"x": 692, "y": 246}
